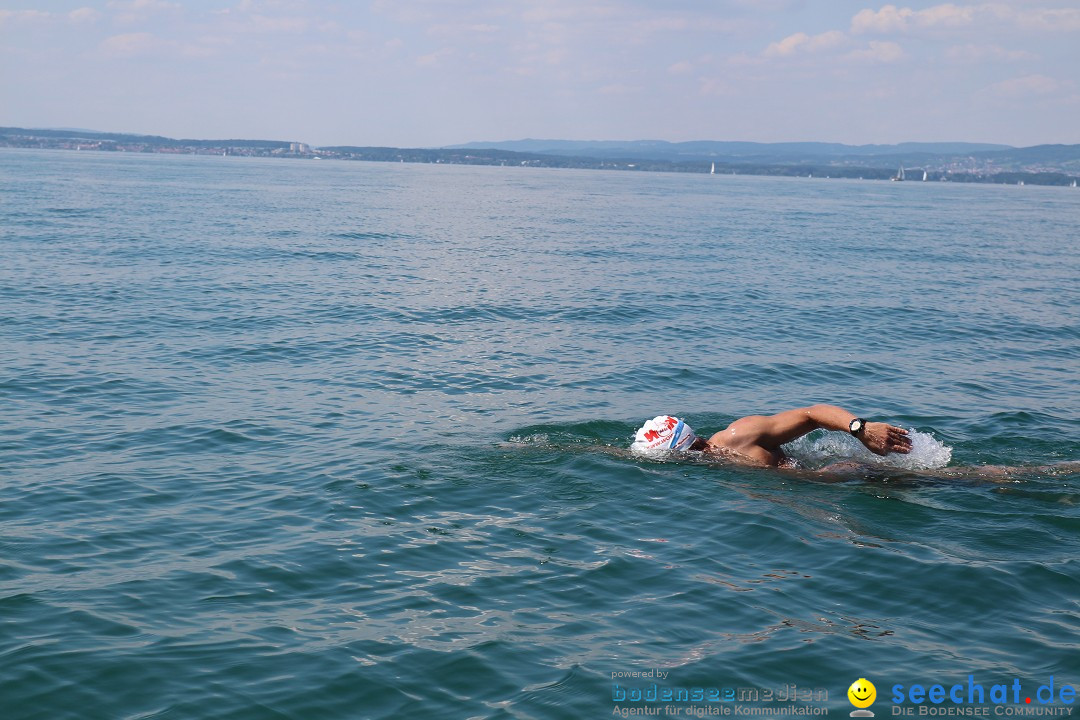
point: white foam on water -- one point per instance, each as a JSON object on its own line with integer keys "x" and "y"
{"x": 534, "y": 439}
{"x": 927, "y": 452}
{"x": 663, "y": 454}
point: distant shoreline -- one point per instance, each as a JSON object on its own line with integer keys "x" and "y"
{"x": 1046, "y": 169}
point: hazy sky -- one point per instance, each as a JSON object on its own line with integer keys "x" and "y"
{"x": 436, "y": 72}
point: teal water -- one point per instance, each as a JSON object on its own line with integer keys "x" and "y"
{"x": 288, "y": 439}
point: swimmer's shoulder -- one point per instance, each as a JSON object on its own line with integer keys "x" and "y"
{"x": 756, "y": 456}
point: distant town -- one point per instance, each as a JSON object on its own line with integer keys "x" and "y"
{"x": 951, "y": 162}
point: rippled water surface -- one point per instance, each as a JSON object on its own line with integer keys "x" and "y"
{"x": 299, "y": 439}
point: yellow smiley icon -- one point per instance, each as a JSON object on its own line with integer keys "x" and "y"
{"x": 862, "y": 693}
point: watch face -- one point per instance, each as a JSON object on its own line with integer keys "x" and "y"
{"x": 856, "y": 425}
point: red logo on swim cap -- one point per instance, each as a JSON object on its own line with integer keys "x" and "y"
{"x": 667, "y": 424}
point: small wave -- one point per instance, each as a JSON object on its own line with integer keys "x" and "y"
{"x": 816, "y": 449}
{"x": 532, "y": 439}
{"x": 665, "y": 455}
{"x": 72, "y": 211}
{"x": 358, "y": 235}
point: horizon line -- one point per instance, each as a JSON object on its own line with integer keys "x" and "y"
{"x": 553, "y": 139}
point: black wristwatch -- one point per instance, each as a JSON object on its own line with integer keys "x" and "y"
{"x": 856, "y": 426}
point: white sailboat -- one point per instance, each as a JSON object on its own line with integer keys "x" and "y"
{"x": 899, "y": 177}
{"x": 713, "y": 170}
{"x": 924, "y": 175}
{"x": 1073, "y": 184}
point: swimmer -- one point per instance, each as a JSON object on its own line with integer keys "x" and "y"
{"x": 756, "y": 439}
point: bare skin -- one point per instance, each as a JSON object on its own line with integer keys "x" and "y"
{"x": 756, "y": 440}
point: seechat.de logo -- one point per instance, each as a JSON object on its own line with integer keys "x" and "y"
{"x": 862, "y": 694}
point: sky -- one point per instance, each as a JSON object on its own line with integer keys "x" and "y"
{"x": 424, "y": 73}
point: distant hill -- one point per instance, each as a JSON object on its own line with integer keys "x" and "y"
{"x": 156, "y": 140}
{"x": 728, "y": 151}
{"x": 1036, "y": 153}
{"x": 70, "y": 130}
{"x": 978, "y": 158}
{"x": 958, "y": 162}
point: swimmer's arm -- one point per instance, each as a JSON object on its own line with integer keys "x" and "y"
{"x": 772, "y": 431}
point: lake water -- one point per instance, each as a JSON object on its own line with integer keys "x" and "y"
{"x": 315, "y": 439}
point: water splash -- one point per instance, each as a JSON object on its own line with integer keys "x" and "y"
{"x": 663, "y": 454}
{"x": 816, "y": 449}
{"x": 530, "y": 439}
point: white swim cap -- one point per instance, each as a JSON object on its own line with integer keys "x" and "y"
{"x": 663, "y": 432}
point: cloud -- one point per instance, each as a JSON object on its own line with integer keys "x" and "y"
{"x": 130, "y": 12}
{"x": 661, "y": 24}
{"x": 681, "y": 68}
{"x": 266, "y": 24}
{"x": 13, "y": 16}
{"x": 744, "y": 60}
{"x": 801, "y": 42}
{"x": 435, "y": 59}
{"x": 130, "y": 45}
{"x": 980, "y": 53}
{"x": 462, "y": 29}
{"x": 142, "y": 5}
{"x": 1026, "y": 86}
{"x": 770, "y": 5}
{"x": 206, "y": 46}
{"x": 144, "y": 44}
{"x": 83, "y": 14}
{"x": 245, "y": 18}
{"x": 882, "y": 51}
{"x": 619, "y": 89}
{"x": 555, "y": 11}
{"x": 403, "y": 12}
{"x": 197, "y": 51}
{"x": 1061, "y": 19}
{"x": 888, "y": 19}
{"x": 891, "y": 19}
{"x": 713, "y": 87}
{"x": 947, "y": 15}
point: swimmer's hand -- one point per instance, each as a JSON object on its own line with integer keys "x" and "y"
{"x": 882, "y": 439}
